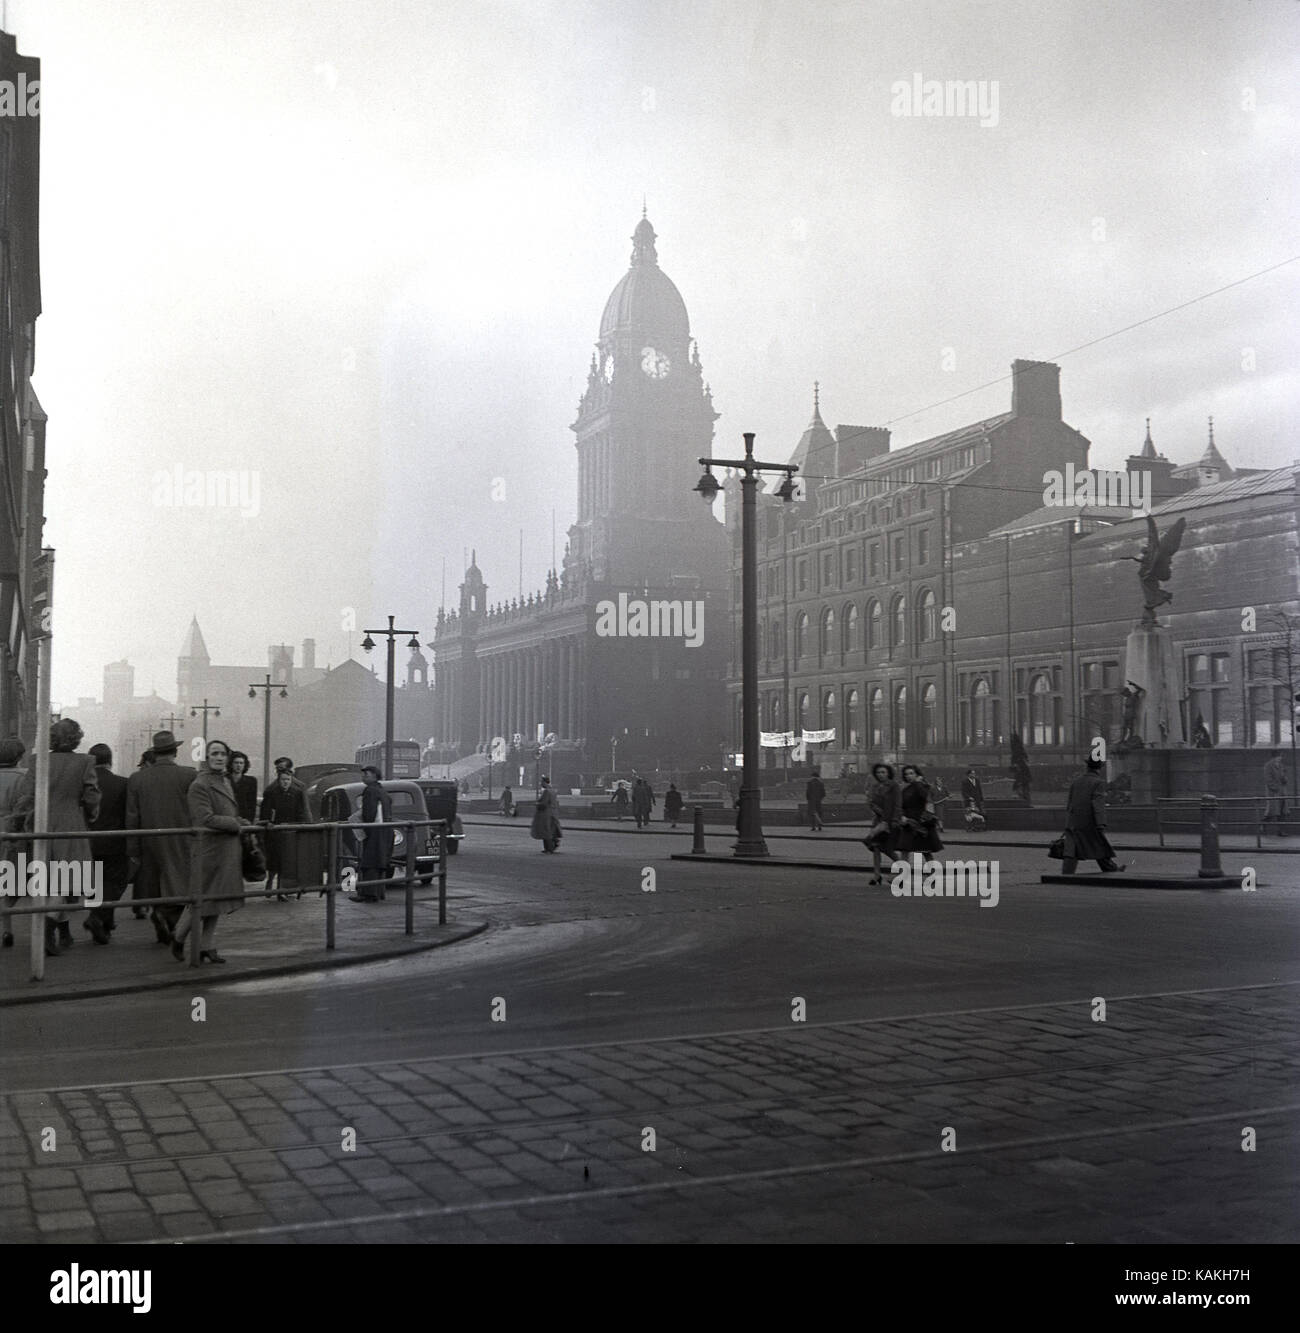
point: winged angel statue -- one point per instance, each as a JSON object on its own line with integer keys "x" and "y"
{"x": 1155, "y": 565}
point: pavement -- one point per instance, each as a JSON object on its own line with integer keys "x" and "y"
{"x": 265, "y": 938}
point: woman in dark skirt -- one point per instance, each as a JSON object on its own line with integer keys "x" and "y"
{"x": 920, "y": 832}
{"x": 884, "y": 803}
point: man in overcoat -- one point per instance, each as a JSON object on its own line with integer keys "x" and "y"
{"x": 377, "y": 849}
{"x": 1085, "y": 822}
{"x": 156, "y": 797}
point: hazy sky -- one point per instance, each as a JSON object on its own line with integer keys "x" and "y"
{"x": 360, "y": 251}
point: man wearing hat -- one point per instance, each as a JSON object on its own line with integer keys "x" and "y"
{"x": 156, "y": 797}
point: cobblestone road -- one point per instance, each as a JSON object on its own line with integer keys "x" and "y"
{"x": 1064, "y": 1129}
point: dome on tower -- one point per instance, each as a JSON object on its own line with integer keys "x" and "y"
{"x": 646, "y": 301}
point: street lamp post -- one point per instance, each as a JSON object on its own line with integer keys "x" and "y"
{"x": 1288, "y": 623}
{"x": 268, "y": 686}
{"x": 750, "y": 841}
{"x": 205, "y": 708}
{"x": 170, "y": 721}
{"x": 369, "y": 644}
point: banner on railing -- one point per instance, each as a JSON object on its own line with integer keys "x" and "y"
{"x": 819, "y": 737}
{"x": 776, "y": 740}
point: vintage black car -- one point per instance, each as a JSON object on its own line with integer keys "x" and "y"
{"x": 341, "y": 801}
{"x": 440, "y": 799}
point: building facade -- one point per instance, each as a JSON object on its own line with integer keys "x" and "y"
{"x": 924, "y": 603}
{"x": 620, "y": 658}
{"x": 22, "y": 422}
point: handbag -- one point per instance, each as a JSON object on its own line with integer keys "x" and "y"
{"x": 254, "y": 867}
{"x": 1062, "y": 848}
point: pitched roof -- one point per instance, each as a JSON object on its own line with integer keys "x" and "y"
{"x": 1278, "y": 480}
{"x": 938, "y": 444}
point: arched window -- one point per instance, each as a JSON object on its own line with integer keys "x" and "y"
{"x": 851, "y": 643}
{"x": 981, "y": 714}
{"x": 800, "y": 636}
{"x": 827, "y": 644}
{"x": 803, "y": 711}
{"x": 876, "y": 717}
{"x": 930, "y": 715}
{"x": 900, "y": 716}
{"x": 828, "y": 710}
{"x": 873, "y": 626}
{"x": 927, "y": 621}
{"x": 852, "y": 734}
{"x": 898, "y": 621}
{"x": 1043, "y": 729}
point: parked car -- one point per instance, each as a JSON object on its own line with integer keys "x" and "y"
{"x": 440, "y": 799}
{"x": 342, "y": 800}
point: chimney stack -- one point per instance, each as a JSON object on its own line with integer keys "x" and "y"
{"x": 309, "y": 654}
{"x": 1036, "y": 389}
{"x": 858, "y": 445}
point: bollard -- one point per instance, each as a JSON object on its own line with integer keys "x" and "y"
{"x": 1211, "y": 866}
{"x": 697, "y": 848}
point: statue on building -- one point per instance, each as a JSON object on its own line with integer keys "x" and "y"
{"x": 1155, "y": 566}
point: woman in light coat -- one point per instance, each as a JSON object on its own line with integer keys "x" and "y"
{"x": 217, "y": 855}
{"x": 885, "y": 803}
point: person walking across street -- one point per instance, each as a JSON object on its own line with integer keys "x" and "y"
{"x": 156, "y": 798}
{"x": 1275, "y": 791}
{"x": 884, "y": 802}
{"x": 283, "y": 802}
{"x": 619, "y": 799}
{"x": 672, "y": 804}
{"x": 920, "y": 825}
{"x": 643, "y": 802}
{"x": 11, "y": 820}
{"x": 109, "y": 854}
{"x": 1085, "y": 822}
{"x": 217, "y": 853}
{"x": 74, "y": 802}
{"x": 507, "y": 802}
{"x": 546, "y": 825}
{"x": 815, "y": 794}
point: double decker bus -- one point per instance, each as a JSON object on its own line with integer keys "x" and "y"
{"x": 406, "y": 758}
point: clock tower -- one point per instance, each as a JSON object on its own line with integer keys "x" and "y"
{"x": 644, "y": 422}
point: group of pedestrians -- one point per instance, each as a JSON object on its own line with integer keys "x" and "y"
{"x": 218, "y": 797}
{"x": 904, "y": 816}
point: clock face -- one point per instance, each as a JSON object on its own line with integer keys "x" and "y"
{"x": 655, "y": 364}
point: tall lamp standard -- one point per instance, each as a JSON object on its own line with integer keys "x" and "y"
{"x": 369, "y": 645}
{"x": 205, "y": 708}
{"x": 1289, "y": 623}
{"x": 750, "y": 841}
{"x": 266, "y": 724}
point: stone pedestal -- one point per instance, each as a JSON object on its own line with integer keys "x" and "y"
{"x": 1151, "y": 663}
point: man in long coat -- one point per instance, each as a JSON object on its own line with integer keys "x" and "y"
{"x": 815, "y": 793}
{"x": 156, "y": 798}
{"x": 1085, "y": 822}
{"x": 377, "y": 849}
{"x": 643, "y": 800}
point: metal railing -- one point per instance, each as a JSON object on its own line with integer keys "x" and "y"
{"x": 1246, "y": 812}
{"x": 331, "y": 863}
